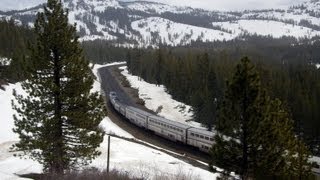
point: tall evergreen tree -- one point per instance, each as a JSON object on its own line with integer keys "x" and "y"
{"x": 255, "y": 134}
{"x": 58, "y": 122}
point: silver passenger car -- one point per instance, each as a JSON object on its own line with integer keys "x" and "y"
{"x": 116, "y": 104}
{"x": 171, "y": 130}
{"x": 122, "y": 109}
{"x": 200, "y": 138}
{"x": 112, "y": 95}
{"x": 137, "y": 116}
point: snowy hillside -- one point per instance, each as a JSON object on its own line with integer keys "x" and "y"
{"x": 158, "y": 8}
{"x": 156, "y": 30}
{"x": 143, "y": 23}
{"x": 267, "y": 28}
{"x": 7, "y": 5}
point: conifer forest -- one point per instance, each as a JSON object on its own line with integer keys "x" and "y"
{"x": 259, "y": 95}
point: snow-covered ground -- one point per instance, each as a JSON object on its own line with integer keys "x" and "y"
{"x": 173, "y": 33}
{"x": 157, "y": 7}
{"x": 156, "y": 96}
{"x": 142, "y": 161}
{"x": 9, "y": 165}
{"x": 7, "y": 5}
{"x": 7, "y": 112}
{"x": 267, "y": 28}
{"x": 5, "y": 61}
{"x": 136, "y": 159}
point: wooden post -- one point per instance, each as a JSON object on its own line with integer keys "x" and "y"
{"x": 108, "y": 160}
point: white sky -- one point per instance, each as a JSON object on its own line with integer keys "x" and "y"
{"x": 205, "y": 4}
{"x": 226, "y": 5}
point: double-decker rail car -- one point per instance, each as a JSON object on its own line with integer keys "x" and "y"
{"x": 172, "y": 130}
{"x": 123, "y": 109}
{"x": 137, "y": 116}
{"x": 116, "y": 105}
{"x": 200, "y": 138}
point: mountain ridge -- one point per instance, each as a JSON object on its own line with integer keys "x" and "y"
{"x": 145, "y": 23}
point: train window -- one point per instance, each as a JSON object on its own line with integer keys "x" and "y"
{"x": 211, "y": 139}
{"x": 140, "y": 116}
{"x": 206, "y": 138}
{"x": 192, "y": 134}
{"x": 201, "y": 136}
{"x": 197, "y": 135}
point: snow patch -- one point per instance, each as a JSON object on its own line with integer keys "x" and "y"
{"x": 5, "y": 61}
{"x": 267, "y": 28}
{"x": 171, "y": 33}
{"x": 6, "y": 121}
{"x": 141, "y": 161}
{"x": 156, "y": 96}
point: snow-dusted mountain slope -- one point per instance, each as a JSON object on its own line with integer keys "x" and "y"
{"x": 145, "y": 23}
{"x": 164, "y": 31}
{"x": 267, "y": 28}
{"x": 159, "y": 8}
{"x": 7, "y": 5}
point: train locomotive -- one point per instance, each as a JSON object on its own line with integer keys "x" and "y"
{"x": 169, "y": 129}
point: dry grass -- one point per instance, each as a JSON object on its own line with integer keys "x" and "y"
{"x": 143, "y": 172}
{"x": 141, "y": 102}
{"x": 125, "y": 82}
{"x": 87, "y": 174}
{"x": 2, "y": 84}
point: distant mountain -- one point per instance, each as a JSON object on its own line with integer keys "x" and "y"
{"x": 7, "y": 5}
{"x": 143, "y": 23}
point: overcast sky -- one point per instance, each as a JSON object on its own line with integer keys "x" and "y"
{"x": 205, "y": 4}
{"x": 232, "y": 4}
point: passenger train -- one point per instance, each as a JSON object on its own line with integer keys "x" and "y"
{"x": 172, "y": 130}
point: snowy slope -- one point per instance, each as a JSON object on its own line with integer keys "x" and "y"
{"x": 156, "y": 96}
{"x": 283, "y": 16}
{"x": 267, "y": 28}
{"x": 7, "y": 5}
{"x": 6, "y": 133}
{"x": 173, "y": 33}
{"x": 158, "y": 8}
{"x": 143, "y": 23}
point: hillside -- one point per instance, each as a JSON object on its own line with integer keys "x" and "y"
{"x": 142, "y": 23}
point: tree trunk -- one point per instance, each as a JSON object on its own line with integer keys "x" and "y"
{"x": 244, "y": 168}
{"x": 58, "y": 143}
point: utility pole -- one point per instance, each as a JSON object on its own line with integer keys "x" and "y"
{"x": 108, "y": 159}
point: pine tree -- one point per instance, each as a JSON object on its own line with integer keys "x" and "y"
{"x": 254, "y": 133}
{"x": 58, "y": 122}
